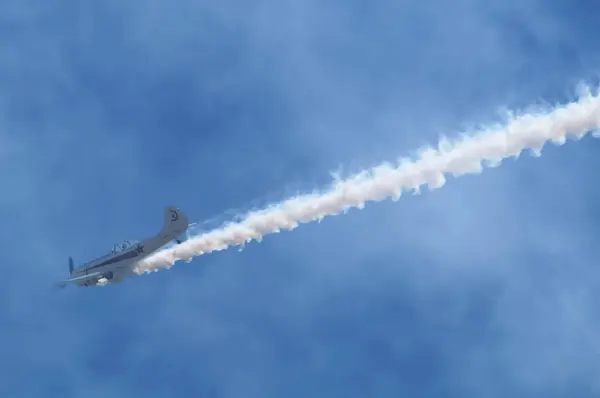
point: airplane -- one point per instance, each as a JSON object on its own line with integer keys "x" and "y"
{"x": 121, "y": 261}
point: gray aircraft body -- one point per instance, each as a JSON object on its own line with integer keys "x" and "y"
{"x": 122, "y": 260}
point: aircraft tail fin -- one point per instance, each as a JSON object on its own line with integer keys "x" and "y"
{"x": 71, "y": 265}
{"x": 175, "y": 222}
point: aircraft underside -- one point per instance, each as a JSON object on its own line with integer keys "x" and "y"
{"x": 106, "y": 278}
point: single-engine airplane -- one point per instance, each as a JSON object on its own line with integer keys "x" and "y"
{"x": 121, "y": 261}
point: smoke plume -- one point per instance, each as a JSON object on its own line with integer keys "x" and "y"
{"x": 467, "y": 155}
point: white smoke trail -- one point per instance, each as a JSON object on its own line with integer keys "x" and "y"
{"x": 464, "y": 156}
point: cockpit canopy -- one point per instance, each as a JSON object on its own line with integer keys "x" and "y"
{"x": 123, "y": 246}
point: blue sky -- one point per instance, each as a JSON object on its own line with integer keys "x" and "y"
{"x": 111, "y": 110}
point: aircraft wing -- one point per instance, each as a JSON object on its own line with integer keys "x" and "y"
{"x": 79, "y": 279}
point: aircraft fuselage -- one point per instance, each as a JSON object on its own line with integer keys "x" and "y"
{"x": 121, "y": 262}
